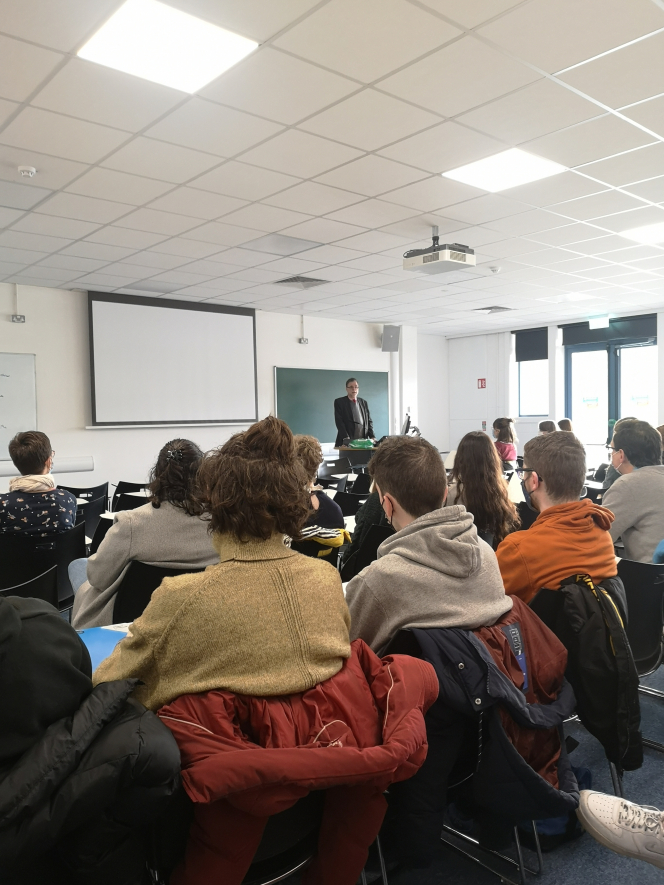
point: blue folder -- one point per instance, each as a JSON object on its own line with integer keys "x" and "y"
{"x": 100, "y": 642}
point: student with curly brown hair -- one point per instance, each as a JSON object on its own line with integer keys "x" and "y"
{"x": 325, "y": 513}
{"x": 264, "y": 620}
{"x": 478, "y": 484}
{"x": 167, "y": 531}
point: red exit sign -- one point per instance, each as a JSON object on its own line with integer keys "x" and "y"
{"x": 481, "y": 383}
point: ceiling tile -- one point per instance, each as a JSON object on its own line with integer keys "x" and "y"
{"x": 266, "y": 218}
{"x": 239, "y": 180}
{"x": 33, "y": 242}
{"x": 186, "y": 248}
{"x": 470, "y": 13}
{"x": 98, "y": 251}
{"x": 299, "y": 153}
{"x": 431, "y": 193}
{"x": 370, "y": 120}
{"x": 84, "y": 208}
{"x": 72, "y": 262}
{"x": 256, "y": 19}
{"x": 372, "y": 213}
{"x": 182, "y": 278}
{"x": 102, "y": 95}
{"x": 322, "y": 230}
{"x": 155, "y": 159}
{"x": 9, "y": 268}
{"x": 646, "y": 162}
{"x": 111, "y": 185}
{"x": 206, "y": 126}
{"x": 278, "y": 86}
{"x": 371, "y": 175}
{"x": 527, "y": 222}
{"x": 374, "y": 241}
{"x": 366, "y": 40}
{"x": 556, "y": 35}
{"x": 531, "y": 112}
{"x": 197, "y": 203}
{"x": 648, "y": 113}
{"x": 485, "y": 208}
{"x": 63, "y": 136}
{"x": 9, "y": 216}
{"x": 23, "y": 67}
{"x": 103, "y": 281}
{"x": 570, "y": 233}
{"x": 52, "y": 172}
{"x": 131, "y": 239}
{"x": 443, "y": 148}
{"x": 62, "y": 26}
{"x": 210, "y": 268}
{"x": 70, "y": 228}
{"x": 652, "y": 190}
{"x": 622, "y": 77}
{"x": 634, "y": 218}
{"x": 313, "y": 198}
{"x": 7, "y": 108}
{"x": 333, "y": 254}
{"x": 599, "y": 245}
{"x": 52, "y": 276}
{"x": 20, "y": 196}
{"x": 556, "y": 189}
{"x": 223, "y": 234}
{"x": 472, "y": 74}
{"x": 596, "y": 205}
{"x": 157, "y": 260}
{"x": 158, "y": 222}
{"x": 594, "y": 140}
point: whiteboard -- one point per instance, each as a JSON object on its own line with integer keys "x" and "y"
{"x": 171, "y": 362}
{"x": 18, "y": 397}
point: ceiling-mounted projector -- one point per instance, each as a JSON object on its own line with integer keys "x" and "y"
{"x": 439, "y": 258}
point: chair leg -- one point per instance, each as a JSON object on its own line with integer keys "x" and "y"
{"x": 654, "y": 745}
{"x": 519, "y": 854}
{"x": 540, "y": 859}
{"x": 363, "y": 878}
{"x": 653, "y": 692}
{"x": 519, "y": 863}
{"x": 616, "y": 778}
{"x": 381, "y": 860}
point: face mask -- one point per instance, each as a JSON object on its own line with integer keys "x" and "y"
{"x": 526, "y": 495}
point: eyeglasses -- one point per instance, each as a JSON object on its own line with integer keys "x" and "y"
{"x": 352, "y": 387}
{"x": 611, "y": 448}
{"x": 521, "y": 471}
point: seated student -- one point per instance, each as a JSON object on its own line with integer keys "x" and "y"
{"x": 505, "y": 436}
{"x": 636, "y": 499}
{"x": 82, "y": 771}
{"x": 566, "y": 425}
{"x": 370, "y": 513}
{"x": 435, "y": 571}
{"x": 168, "y": 531}
{"x": 547, "y": 427}
{"x": 569, "y": 536}
{"x": 263, "y": 621}
{"x": 325, "y": 512}
{"x": 35, "y": 505}
{"x": 607, "y": 473}
{"x": 478, "y": 484}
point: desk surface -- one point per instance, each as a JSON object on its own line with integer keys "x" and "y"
{"x": 101, "y": 641}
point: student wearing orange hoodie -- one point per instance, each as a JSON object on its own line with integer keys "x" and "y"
{"x": 570, "y": 536}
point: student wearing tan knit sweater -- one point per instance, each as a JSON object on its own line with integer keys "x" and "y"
{"x": 265, "y": 620}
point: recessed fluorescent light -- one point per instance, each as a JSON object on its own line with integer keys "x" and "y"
{"x": 507, "y": 169}
{"x": 598, "y": 323}
{"x": 650, "y": 233}
{"x": 157, "y": 42}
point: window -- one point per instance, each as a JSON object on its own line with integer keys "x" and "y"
{"x": 533, "y": 388}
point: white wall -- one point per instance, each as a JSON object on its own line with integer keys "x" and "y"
{"x": 433, "y": 388}
{"x": 56, "y": 330}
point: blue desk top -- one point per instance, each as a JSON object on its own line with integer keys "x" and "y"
{"x": 101, "y": 641}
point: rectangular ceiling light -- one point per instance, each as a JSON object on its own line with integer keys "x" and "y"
{"x": 650, "y": 233}
{"x": 159, "y": 43}
{"x": 504, "y": 170}
{"x": 598, "y": 323}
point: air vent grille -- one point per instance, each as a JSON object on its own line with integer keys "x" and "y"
{"x": 300, "y": 282}
{"x": 495, "y": 308}
{"x": 434, "y": 256}
{"x": 458, "y": 256}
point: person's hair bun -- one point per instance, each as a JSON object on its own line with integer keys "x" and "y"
{"x": 270, "y": 439}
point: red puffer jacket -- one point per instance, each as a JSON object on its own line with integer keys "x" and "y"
{"x": 246, "y": 758}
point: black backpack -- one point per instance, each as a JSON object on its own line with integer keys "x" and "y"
{"x": 589, "y": 620}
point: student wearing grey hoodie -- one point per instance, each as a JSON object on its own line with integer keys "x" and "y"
{"x": 435, "y": 571}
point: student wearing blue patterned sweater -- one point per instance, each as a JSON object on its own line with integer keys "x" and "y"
{"x": 34, "y": 505}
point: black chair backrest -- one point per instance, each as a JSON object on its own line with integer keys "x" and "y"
{"x": 349, "y": 503}
{"x": 44, "y": 586}
{"x": 486, "y": 536}
{"x": 526, "y": 515}
{"x": 368, "y": 551}
{"x": 103, "y": 526}
{"x": 313, "y": 548}
{"x": 593, "y": 494}
{"x": 123, "y": 487}
{"x": 92, "y": 514}
{"x": 93, "y": 492}
{"x": 339, "y": 465}
{"x": 128, "y": 502}
{"x": 362, "y": 484}
{"x": 644, "y": 588}
{"x": 138, "y": 585}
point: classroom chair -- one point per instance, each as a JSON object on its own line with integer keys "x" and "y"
{"x": 44, "y": 586}
{"x": 138, "y": 585}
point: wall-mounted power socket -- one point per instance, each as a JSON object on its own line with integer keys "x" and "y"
{"x": 303, "y": 340}
{"x": 18, "y": 318}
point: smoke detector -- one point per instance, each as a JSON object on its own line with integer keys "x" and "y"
{"x": 27, "y": 171}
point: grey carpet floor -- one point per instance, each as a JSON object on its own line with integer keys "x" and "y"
{"x": 583, "y": 861}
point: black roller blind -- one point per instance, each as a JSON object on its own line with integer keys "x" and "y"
{"x": 531, "y": 344}
{"x": 620, "y": 329}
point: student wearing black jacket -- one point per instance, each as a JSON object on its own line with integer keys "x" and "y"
{"x": 82, "y": 770}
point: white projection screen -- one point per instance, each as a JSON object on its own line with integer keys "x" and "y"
{"x": 157, "y": 361}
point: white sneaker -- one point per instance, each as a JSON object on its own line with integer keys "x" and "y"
{"x": 628, "y": 829}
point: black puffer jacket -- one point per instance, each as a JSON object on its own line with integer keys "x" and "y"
{"x": 76, "y": 792}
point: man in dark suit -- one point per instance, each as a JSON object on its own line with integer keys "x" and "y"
{"x": 351, "y": 415}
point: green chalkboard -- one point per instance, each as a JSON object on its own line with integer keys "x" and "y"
{"x": 305, "y": 399}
